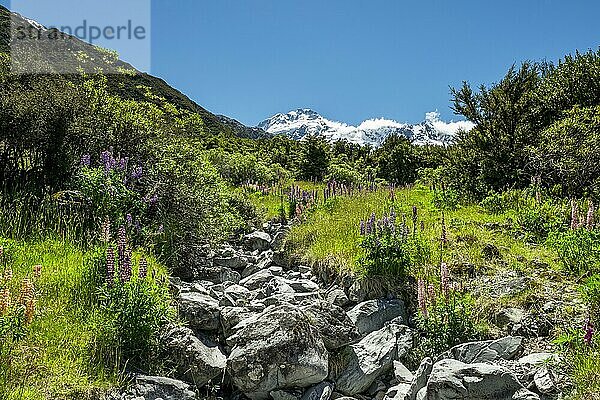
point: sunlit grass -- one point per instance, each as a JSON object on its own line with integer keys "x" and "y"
{"x": 54, "y": 360}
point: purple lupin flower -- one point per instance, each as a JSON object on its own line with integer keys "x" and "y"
{"x": 107, "y": 160}
{"x": 143, "y": 270}
{"x": 445, "y": 280}
{"x": 431, "y": 294}
{"x": 110, "y": 265}
{"x": 105, "y": 230}
{"x": 589, "y": 332}
{"x": 86, "y": 160}
{"x": 129, "y": 219}
{"x": 125, "y": 268}
{"x": 574, "y": 214}
{"x": 121, "y": 245}
{"x": 590, "y": 215}
{"x": 362, "y": 228}
{"x": 137, "y": 172}
{"x": 422, "y": 297}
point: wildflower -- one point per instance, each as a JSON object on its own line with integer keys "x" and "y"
{"x": 362, "y": 228}
{"x": 110, "y": 266}
{"x": 105, "y": 234}
{"x": 137, "y": 172}
{"x": 574, "y": 214}
{"x": 444, "y": 237}
{"x": 589, "y": 332}
{"x": 445, "y": 279}
{"x": 37, "y": 271}
{"x": 123, "y": 163}
{"x": 143, "y": 270}
{"x": 29, "y": 310}
{"x": 4, "y": 301}
{"x": 129, "y": 219}
{"x": 27, "y": 292}
{"x": 86, "y": 160}
{"x": 125, "y": 267}
{"x": 422, "y": 297}
{"x": 590, "y": 215}
{"x": 121, "y": 244}
{"x": 431, "y": 294}
{"x": 422, "y": 226}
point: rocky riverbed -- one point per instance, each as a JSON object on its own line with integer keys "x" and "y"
{"x": 259, "y": 327}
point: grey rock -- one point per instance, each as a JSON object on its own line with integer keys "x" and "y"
{"x": 201, "y": 311}
{"x": 332, "y": 323}
{"x": 283, "y": 395}
{"x": 257, "y": 280}
{"x": 506, "y": 348}
{"x": 234, "y": 262}
{"x": 155, "y": 388}
{"x": 397, "y": 392}
{"x": 545, "y": 380}
{"x": 257, "y": 241}
{"x": 452, "y": 379}
{"x": 276, "y": 350}
{"x": 322, "y": 391}
{"x": 524, "y": 394}
{"x": 303, "y": 286}
{"x": 371, "y": 315}
{"x": 338, "y": 297}
{"x": 420, "y": 379}
{"x": 537, "y": 359}
{"x": 192, "y": 359}
{"x": 362, "y": 363}
{"x": 228, "y": 275}
{"x": 510, "y": 317}
{"x": 402, "y": 374}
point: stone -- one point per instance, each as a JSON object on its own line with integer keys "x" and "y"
{"x": 362, "y": 363}
{"x": 260, "y": 241}
{"x": 420, "y": 379}
{"x": 201, "y": 311}
{"x": 545, "y": 380}
{"x": 276, "y": 350}
{"x": 232, "y": 316}
{"x": 524, "y": 394}
{"x": 192, "y": 359}
{"x": 371, "y": 315}
{"x": 452, "y": 379}
{"x": 233, "y": 262}
{"x": 322, "y": 391}
{"x": 397, "y": 392}
{"x": 257, "y": 280}
{"x": 402, "y": 374}
{"x": 506, "y": 348}
{"x": 537, "y": 359}
{"x": 510, "y": 317}
{"x": 303, "y": 286}
{"x": 338, "y": 297}
{"x": 228, "y": 275}
{"x": 155, "y": 388}
{"x": 283, "y": 395}
{"x": 332, "y": 322}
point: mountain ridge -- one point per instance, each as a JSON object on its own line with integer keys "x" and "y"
{"x": 300, "y": 123}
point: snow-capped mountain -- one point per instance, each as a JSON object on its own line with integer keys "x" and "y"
{"x": 300, "y": 123}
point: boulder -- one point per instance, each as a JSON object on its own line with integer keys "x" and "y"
{"x": 545, "y": 380}
{"x": 160, "y": 388}
{"x": 397, "y": 392}
{"x": 338, "y": 297}
{"x": 260, "y": 241}
{"x": 322, "y": 391}
{"x": 191, "y": 359}
{"x": 276, "y": 350}
{"x": 371, "y": 315}
{"x": 201, "y": 311}
{"x": 257, "y": 280}
{"x": 420, "y": 378}
{"x": 506, "y": 348}
{"x": 525, "y": 394}
{"x": 452, "y": 379}
{"x": 233, "y": 262}
{"x": 402, "y": 374}
{"x": 332, "y": 322}
{"x": 361, "y": 363}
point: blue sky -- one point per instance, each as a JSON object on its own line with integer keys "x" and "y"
{"x": 354, "y": 59}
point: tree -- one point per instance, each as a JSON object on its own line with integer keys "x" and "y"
{"x": 314, "y": 162}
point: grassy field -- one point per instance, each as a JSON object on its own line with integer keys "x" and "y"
{"x": 55, "y": 358}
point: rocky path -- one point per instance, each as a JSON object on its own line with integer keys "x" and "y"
{"x": 259, "y": 328}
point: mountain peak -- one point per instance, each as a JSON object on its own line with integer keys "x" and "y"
{"x": 298, "y": 124}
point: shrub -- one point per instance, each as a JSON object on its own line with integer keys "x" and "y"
{"x": 498, "y": 203}
{"x": 444, "y": 318}
{"x": 446, "y": 199}
{"x": 578, "y": 250}
{"x": 536, "y": 220}
{"x": 389, "y": 248}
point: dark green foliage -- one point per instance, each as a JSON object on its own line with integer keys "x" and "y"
{"x": 314, "y": 161}
{"x": 591, "y": 295}
{"x": 578, "y": 250}
{"x": 397, "y": 160}
{"x": 535, "y": 220}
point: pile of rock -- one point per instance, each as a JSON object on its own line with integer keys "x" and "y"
{"x": 259, "y": 329}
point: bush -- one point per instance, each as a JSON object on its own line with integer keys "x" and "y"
{"x": 444, "y": 318}
{"x": 445, "y": 199}
{"x": 578, "y": 250}
{"x": 536, "y": 220}
{"x": 498, "y": 203}
{"x": 390, "y": 249}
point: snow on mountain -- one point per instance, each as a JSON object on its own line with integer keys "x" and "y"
{"x": 300, "y": 123}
